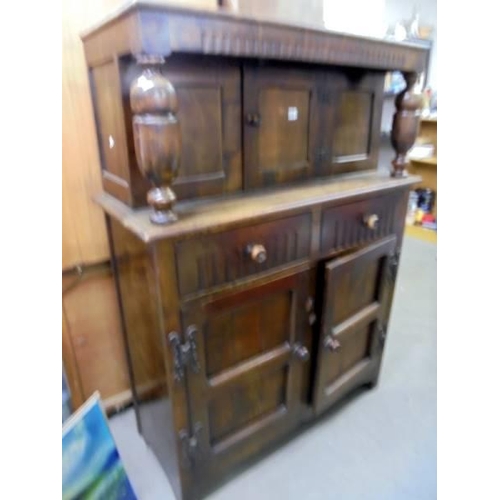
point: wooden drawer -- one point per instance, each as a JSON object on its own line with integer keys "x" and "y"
{"x": 209, "y": 261}
{"x": 346, "y": 226}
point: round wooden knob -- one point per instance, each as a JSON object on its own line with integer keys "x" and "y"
{"x": 332, "y": 344}
{"x": 371, "y": 221}
{"x": 257, "y": 252}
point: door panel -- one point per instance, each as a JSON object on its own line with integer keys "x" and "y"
{"x": 283, "y": 130}
{"x": 353, "y": 113}
{"x": 351, "y": 131}
{"x": 281, "y": 122}
{"x": 259, "y": 394}
{"x": 209, "y": 104}
{"x": 265, "y": 325}
{"x": 353, "y": 320}
{"x": 247, "y": 390}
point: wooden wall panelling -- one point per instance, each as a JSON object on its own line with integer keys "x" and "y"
{"x": 93, "y": 347}
{"x": 84, "y": 235}
{"x": 71, "y": 366}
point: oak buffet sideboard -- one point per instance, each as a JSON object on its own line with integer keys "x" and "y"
{"x": 257, "y": 285}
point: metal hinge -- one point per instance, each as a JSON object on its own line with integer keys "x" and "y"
{"x": 392, "y": 265}
{"x": 310, "y": 310}
{"x": 185, "y": 354}
{"x": 190, "y": 445}
{"x": 382, "y": 335}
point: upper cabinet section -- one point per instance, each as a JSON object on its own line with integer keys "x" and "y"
{"x": 254, "y": 104}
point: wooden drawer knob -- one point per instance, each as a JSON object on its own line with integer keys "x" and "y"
{"x": 371, "y": 221}
{"x": 257, "y": 252}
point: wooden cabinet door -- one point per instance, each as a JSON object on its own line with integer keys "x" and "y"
{"x": 352, "y": 107}
{"x": 357, "y": 290}
{"x": 251, "y": 353}
{"x": 281, "y": 122}
{"x": 209, "y": 99}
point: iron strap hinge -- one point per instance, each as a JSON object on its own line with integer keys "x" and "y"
{"x": 190, "y": 445}
{"x": 392, "y": 267}
{"x": 382, "y": 335}
{"x": 185, "y": 354}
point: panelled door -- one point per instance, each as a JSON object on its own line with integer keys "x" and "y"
{"x": 281, "y": 124}
{"x": 357, "y": 288}
{"x": 209, "y": 100}
{"x": 352, "y": 105}
{"x": 246, "y": 388}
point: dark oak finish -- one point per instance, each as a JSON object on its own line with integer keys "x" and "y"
{"x": 245, "y": 356}
{"x": 226, "y": 257}
{"x": 132, "y": 260}
{"x": 267, "y": 297}
{"x": 209, "y": 216}
{"x": 144, "y": 26}
{"x": 111, "y": 134}
{"x": 211, "y": 146}
{"x": 328, "y": 115}
{"x": 353, "y": 118}
{"x": 281, "y": 125}
{"x": 405, "y": 124}
{"x": 353, "y": 327}
{"x": 157, "y": 135}
{"x": 359, "y": 223}
{"x": 251, "y": 350}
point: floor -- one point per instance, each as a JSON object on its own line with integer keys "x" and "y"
{"x": 379, "y": 445}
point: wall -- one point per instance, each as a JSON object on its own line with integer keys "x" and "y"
{"x": 345, "y": 16}
{"x": 84, "y": 238}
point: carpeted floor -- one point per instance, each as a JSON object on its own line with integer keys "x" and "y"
{"x": 379, "y": 445}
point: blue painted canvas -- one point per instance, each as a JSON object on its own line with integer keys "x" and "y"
{"x": 92, "y": 467}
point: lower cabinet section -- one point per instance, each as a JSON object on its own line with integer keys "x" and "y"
{"x": 249, "y": 363}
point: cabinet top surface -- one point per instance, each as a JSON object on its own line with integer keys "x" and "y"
{"x": 163, "y": 28}
{"x": 210, "y": 215}
{"x": 243, "y": 18}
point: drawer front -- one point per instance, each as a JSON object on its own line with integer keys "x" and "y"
{"x": 210, "y": 261}
{"x": 358, "y": 223}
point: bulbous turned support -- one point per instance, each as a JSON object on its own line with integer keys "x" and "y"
{"x": 405, "y": 124}
{"x": 157, "y": 137}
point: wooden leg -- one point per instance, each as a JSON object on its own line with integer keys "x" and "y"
{"x": 405, "y": 124}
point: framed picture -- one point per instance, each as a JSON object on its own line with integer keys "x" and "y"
{"x": 91, "y": 465}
